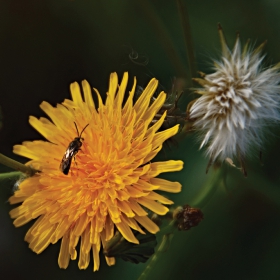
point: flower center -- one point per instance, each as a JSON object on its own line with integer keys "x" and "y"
{"x": 231, "y": 91}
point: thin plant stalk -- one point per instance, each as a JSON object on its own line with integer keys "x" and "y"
{"x": 166, "y": 238}
{"x": 217, "y": 179}
{"x": 184, "y": 17}
{"x": 163, "y": 37}
{"x": 17, "y": 165}
{"x": 10, "y": 175}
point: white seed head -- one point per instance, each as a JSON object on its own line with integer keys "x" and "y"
{"x": 237, "y": 101}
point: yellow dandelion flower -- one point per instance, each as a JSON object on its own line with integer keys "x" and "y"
{"x": 112, "y": 182}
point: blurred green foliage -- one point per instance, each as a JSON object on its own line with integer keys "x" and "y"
{"x": 45, "y": 45}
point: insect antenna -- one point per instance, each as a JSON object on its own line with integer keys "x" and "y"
{"x": 79, "y": 135}
{"x": 77, "y": 129}
{"x": 83, "y": 129}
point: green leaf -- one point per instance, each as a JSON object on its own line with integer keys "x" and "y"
{"x": 136, "y": 253}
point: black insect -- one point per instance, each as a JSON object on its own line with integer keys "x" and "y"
{"x": 71, "y": 151}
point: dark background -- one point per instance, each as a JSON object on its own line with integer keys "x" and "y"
{"x": 46, "y": 45}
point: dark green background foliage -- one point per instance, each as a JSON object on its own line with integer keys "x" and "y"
{"x": 46, "y": 45}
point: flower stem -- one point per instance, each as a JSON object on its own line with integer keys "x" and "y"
{"x": 160, "y": 31}
{"x": 9, "y": 175}
{"x": 17, "y": 165}
{"x": 168, "y": 235}
{"x": 184, "y": 16}
{"x": 216, "y": 179}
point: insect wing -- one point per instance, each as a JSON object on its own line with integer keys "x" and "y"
{"x": 67, "y": 158}
{"x": 71, "y": 151}
{"x": 65, "y": 165}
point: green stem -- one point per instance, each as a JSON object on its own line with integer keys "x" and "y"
{"x": 184, "y": 16}
{"x": 10, "y": 175}
{"x": 168, "y": 235}
{"x": 163, "y": 37}
{"x": 17, "y": 165}
{"x": 217, "y": 178}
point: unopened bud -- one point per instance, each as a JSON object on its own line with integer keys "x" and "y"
{"x": 187, "y": 217}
